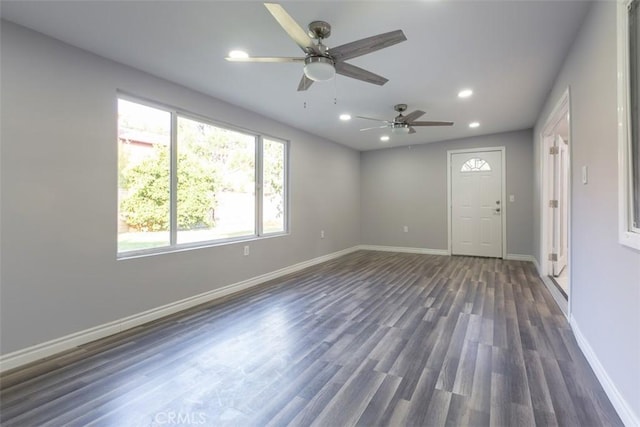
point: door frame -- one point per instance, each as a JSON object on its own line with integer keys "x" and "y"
{"x": 503, "y": 183}
{"x": 561, "y": 111}
{"x": 561, "y": 217}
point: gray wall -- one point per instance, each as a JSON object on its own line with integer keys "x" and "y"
{"x": 59, "y": 272}
{"x": 605, "y": 292}
{"x": 408, "y": 186}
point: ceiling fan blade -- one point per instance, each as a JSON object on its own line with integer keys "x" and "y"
{"x": 431, "y": 123}
{"x": 411, "y": 130}
{"x": 368, "y": 45}
{"x": 264, "y": 59}
{"x": 375, "y": 127}
{"x": 292, "y": 28}
{"x": 370, "y": 118}
{"x": 359, "y": 73}
{"x": 305, "y": 83}
{"x": 412, "y": 116}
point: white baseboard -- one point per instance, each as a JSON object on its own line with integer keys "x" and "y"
{"x": 556, "y": 294}
{"x": 512, "y": 257}
{"x": 551, "y": 287}
{"x": 535, "y": 262}
{"x": 403, "y": 250}
{"x": 625, "y": 412}
{"x": 58, "y": 345}
{"x": 520, "y": 257}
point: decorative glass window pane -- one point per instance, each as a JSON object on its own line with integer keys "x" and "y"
{"x": 475, "y": 165}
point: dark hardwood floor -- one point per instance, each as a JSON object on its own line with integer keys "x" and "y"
{"x": 371, "y": 338}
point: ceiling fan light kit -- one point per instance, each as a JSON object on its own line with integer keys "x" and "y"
{"x": 319, "y": 68}
{"x": 400, "y": 128}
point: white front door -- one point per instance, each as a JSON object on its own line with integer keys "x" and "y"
{"x": 476, "y": 204}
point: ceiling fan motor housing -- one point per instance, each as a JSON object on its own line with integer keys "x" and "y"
{"x": 319, "y": 30}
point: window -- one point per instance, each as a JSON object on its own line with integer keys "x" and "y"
{"x": 144, "y": 137}
{"x": 629, "y": 121}
{"x": 216, "y": 197}
{"x": 475, "y": 165}
{"x": 207, "y": 184}
{"x": 273, "y": 193}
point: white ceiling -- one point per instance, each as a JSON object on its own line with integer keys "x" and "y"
{"x": 508, "y": 52}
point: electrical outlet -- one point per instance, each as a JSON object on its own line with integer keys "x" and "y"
{"x": 512, "y": 198}
{"x": 322, "y": 234}
{"x": 246, "y": 250}
{"x": 406, "y": 228}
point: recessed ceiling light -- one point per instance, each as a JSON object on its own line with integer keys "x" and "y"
{"x": 465, "y": 93}
{"x": 474, "y": 124}
{"x": 237, "y": 54}
{"x": 384, "y": 138}
{"x": 345, "y": 117}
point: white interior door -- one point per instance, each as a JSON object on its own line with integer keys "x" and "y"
{"x": 476, "y": 204}
{"x": 560, "y": 214}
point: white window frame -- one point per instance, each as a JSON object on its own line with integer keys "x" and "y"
{"x": 628, "y": 234}
{"x": 173, "y": 246}
{"x": 285, "y": 187}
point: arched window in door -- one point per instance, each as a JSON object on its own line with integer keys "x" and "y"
{"x": 475, "y": 165}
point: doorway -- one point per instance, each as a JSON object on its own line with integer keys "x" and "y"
{"x": 556, "y": 203}
{"x": 476, "y": 202}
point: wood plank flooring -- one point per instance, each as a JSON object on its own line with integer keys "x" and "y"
{"x": 372, "y": 338}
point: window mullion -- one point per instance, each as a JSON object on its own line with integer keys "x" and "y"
{"x": 173, "y": 192}
{"x": 259, "y": 184}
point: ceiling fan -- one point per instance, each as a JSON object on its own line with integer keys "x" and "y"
{"x": 404, "y": 124}
{"x": 320, "y": 62}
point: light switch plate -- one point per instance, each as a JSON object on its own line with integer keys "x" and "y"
{"x": 585, "y": 174}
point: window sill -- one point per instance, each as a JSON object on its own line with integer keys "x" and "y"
{"x": 193, "y": 246}
{"x": 630, "y": 239}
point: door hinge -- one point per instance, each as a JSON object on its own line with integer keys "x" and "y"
{"x": 553, "y": 203}
{"x": 554, "y": 150}
{"x": 553, "y": 257}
